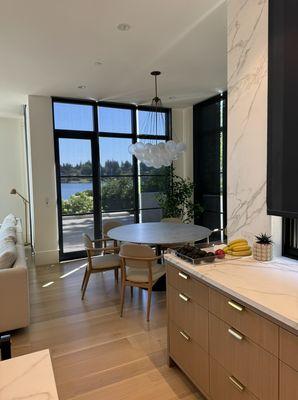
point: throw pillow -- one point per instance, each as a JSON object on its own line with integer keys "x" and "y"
{"x": 8, "y": 254}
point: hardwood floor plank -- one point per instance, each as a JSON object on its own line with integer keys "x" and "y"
{"x": 95, "y": 353}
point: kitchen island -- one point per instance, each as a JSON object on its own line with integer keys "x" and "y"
{"x": 233, "y": 327}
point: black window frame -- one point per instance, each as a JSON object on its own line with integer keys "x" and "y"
{"x": 288, "y": 249}
{"x": 222, "y": 129}
{"x": 94, "y": 137}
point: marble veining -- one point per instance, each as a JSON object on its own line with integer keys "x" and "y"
{"x": 271, "y": 287}
{"x": 247, "y": 116}
{"x": 28, "y": 377}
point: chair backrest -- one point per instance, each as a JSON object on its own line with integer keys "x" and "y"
{"x": 172, "y": 220}
{"x": 139, "y": 253}
{"x": 108, "y": 225}
{"x": 87, "y": 241}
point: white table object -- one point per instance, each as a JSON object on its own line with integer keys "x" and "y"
{"x": 28, "y": 377}
{"x": 159, "y": 233}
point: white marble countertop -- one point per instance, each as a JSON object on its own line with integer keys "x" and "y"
{"x": 28, "y": 377}
{"x": 271, "y": 287}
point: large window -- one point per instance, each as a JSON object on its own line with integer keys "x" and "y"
{"x": 97, "y": 178}
{"x": 210, "y": 139}
{"x": 290, "y": 237}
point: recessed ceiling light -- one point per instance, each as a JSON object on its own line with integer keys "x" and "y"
{"x": 98, "y": 63}
{"x": 82, "y": 87}
{"x": 123, "y": 27}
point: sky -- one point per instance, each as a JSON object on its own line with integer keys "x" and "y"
{"x": 80, "y": 117}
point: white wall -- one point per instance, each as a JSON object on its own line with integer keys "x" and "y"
{"x": 43, "y": 178}
{"x": 182, "y": 127}
{"x": 12, "y": 166}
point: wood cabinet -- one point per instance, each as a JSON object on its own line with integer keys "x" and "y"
{"x": 189, "y": 316}
{"x": 225, "y": 386}
{"x": 254, "y": 367}
{"x": 288, "y": 344}
{"x": 189, "y": 356}
{"x": 252, "y": 325}
{"x": 288, "y": 387}
{"x": 192, "y": 288}
{"x": 228, "y": 350}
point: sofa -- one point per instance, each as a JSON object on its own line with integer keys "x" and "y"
{"x": 14, "y": 290}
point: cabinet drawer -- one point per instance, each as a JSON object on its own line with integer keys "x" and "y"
{"x": 189, "y": 356}
{"x": 252, "y": 325}
{"x": 183, "y": 282}
{"x": 288, "y": 387}
{"x": 253, "y": 366}
{"x": 288, "y": 348}
{"x": 189, "y": 316}
{"x": 224, "y": 386}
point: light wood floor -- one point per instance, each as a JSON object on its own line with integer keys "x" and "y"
{"x": 95, "y": 353}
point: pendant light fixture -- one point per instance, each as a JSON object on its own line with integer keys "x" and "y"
{"x": 156, "y": 154}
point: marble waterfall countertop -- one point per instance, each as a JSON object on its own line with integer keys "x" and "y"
{"x": 28, "y": 377}
{"x": 270, "y": 287}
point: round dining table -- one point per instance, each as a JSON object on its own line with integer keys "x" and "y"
{"x": 159, "y": 233}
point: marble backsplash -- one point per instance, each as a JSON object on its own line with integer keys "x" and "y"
{"x": 247, "y": 117}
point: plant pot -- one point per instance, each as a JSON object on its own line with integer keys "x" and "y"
{"x": 262, "y": 252}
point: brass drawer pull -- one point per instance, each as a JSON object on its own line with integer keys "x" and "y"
{"x": 235, "y": 334}
{"x": 186, "y": 337}
{"x": 184, "y": 298}
{"x": 236, "y": 383}
{"x": 235, "y": 305}
{"x": 184, "y": 276}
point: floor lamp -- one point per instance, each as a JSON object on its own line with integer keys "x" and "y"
{"x": 26, "y": 203}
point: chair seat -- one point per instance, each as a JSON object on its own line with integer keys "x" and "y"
{"x": 105, "y": 261}
{"x": 141, "y": 274}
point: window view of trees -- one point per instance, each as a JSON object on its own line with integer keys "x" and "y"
{"x": 116, "y": 194}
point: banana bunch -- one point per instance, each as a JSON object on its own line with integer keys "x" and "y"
{"x": 238, "y": 247}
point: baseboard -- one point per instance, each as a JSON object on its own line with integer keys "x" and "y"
{"x": 46, "y": 257}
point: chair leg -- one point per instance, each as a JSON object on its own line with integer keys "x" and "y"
{"x": 122, "y": 299}
{"x": 131, "y": 291}
{"x": 149, "y": 303}
{"x": 85, "y": 273}
{"x": 85, "y": 284}
{"x": 116, "y": 274}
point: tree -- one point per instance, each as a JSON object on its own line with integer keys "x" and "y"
{"x": 177, "y": 201}
{"x": 117, "y": 194}
{"x": 78, "y": 203}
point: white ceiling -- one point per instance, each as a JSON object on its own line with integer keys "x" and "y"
{"x": 49, "y": 47}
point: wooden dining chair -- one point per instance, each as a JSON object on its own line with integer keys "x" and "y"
{"x": 98, "y": 260}
{"x": 106, "y": 227}
{"x": 139, "y": 268}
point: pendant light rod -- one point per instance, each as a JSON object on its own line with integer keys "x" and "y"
{"x": 161, "y": 153}
{"x": 156, "y": 99}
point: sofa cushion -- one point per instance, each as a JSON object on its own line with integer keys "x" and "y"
{"x": 9, "y": 220}
{"x": 8, "y": 233}
{"x": 8, "y": 254}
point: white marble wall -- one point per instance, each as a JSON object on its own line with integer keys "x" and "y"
{"x": 247, "y": 117}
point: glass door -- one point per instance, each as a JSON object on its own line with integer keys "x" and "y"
{"x": 75, "y": 194}
{"x": 117, "y": 183}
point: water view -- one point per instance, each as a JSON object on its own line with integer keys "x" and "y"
{"x": 68, "y": 189}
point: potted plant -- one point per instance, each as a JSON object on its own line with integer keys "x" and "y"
{"x": 262, "y": 248}
{"x": 177, "y": 201}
